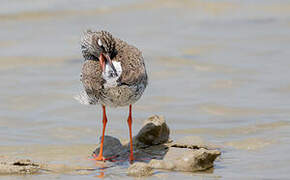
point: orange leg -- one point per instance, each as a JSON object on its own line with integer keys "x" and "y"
{"x": 100, "y": 157}
{"x": 131, "y": 158}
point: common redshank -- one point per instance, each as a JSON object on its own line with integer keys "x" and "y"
{"x": 113, "y": 74}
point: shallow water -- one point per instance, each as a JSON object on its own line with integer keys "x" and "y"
{"x": 218, "y": 70}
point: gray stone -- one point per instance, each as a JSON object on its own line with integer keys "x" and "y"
{"x": 183, "y": 159}
{"x": 140, "y": 169}
{"x": 162, "y": 164}
{"x": 154, "y": 131}
{"x": 112, "y": 147}
{"x": 191, "y": 160}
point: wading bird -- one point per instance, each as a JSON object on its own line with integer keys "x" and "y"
{"x": 113, "y": 74}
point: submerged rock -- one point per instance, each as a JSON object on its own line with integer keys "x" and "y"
{"x": 112, "y": 147}
{"x": 16, "y": 166}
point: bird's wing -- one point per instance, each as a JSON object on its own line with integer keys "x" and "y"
{"x": 83, "y": 98}
{"x": 92, "y": 78}
{"x": 133, "y": 68}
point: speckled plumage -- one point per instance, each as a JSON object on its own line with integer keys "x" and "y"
{"x": 132, "y": 81}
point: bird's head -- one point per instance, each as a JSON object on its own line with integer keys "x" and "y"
{"x": 99, "y": 46}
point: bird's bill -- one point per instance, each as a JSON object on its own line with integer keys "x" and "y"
{"x": 104, "y": 59}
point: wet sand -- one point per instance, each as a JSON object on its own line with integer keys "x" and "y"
{"x": 217, "y": 70}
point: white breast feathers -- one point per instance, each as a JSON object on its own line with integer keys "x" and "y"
{"x": 111, "y": 81}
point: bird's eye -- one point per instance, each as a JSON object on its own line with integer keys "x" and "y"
{"x": 100, "y": 42}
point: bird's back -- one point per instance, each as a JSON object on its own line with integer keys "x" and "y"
{"x": 132, "y": 62}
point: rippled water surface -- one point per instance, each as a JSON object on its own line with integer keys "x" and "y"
{"x": 217, "y": 69}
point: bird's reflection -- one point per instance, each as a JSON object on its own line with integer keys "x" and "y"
{"x": 101, "y": 167}
{"x": 101, "y": 174}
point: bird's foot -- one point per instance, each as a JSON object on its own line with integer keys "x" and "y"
{"x": 99, "y": 157}
{"x": 102, "y": 158}
{"x": 131, "y": 159}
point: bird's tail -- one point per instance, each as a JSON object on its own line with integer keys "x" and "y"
{"x": 83, "y": 98}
